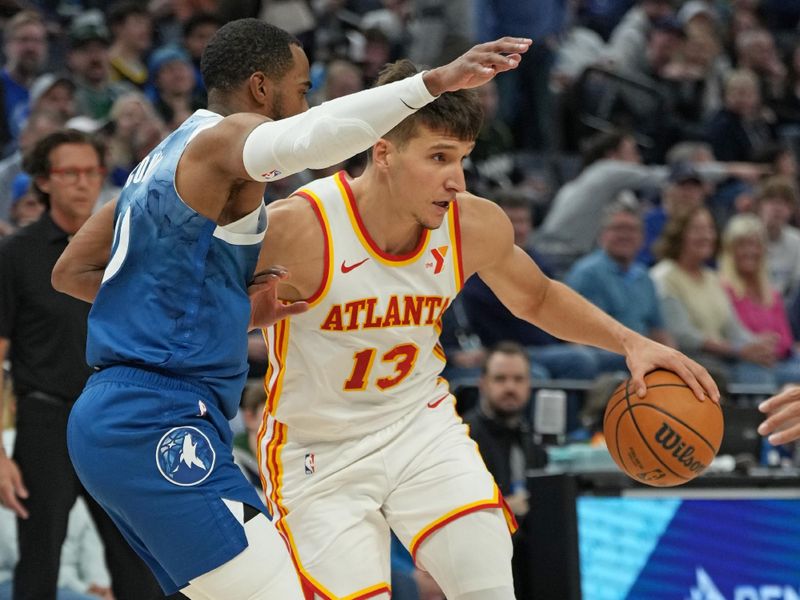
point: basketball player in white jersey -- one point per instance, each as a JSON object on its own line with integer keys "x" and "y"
{"x": 360, "y": 434}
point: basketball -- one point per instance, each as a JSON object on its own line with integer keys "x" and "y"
{"x": 666, "y": 438}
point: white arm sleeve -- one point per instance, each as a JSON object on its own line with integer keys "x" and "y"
{"x": 332, "y": 132}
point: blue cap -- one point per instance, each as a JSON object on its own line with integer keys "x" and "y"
{"x": 684, "y": 171}
{"x": 164, "y": 55}
{"x": 19, "y": 187}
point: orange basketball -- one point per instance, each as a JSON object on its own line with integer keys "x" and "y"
{"x": 666, "y": 438}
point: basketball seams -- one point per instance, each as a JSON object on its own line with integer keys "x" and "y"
{"x": 687, "y": 426}
{"x": 647, "y": 445}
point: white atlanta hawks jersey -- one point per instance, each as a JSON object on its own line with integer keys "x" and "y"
{"x": 367, "y": 352}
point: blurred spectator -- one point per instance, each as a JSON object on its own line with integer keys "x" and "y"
{"x": 525, "y": 96}
{"x": 25, "y": 49}
{"x": 53, "y": 93}
{"x": 627, "y": 46}
{"x": 495, "y": 138}
{"x": 739, "y": 131}
{"x": 787, "y": 108}
{"x": 38, "y": 125}
{"x": 89, "y": 64}
{"x": 376, "y": 53}
{"x": 697, "y": 310}
{"x": 500, "y": 425}
{"x": 683, "y": 191}
{"x": 493, "y": 322}
{"x": 173, "y": 85}
{"x": 611, "y": 279}
{"x": 759, "y": 306}
{"x": 136, "y": 129}
{"x": 46, "y": 333}
{"x": 132, "y": 36}
{"x": 438, "y": 29}
{"x": 26, "y": 207}
{"x": 392, "y": 19}
{"x": 777, "y": 204}
{"x": 756, "y": 52}
{"x": 197, "y": 31}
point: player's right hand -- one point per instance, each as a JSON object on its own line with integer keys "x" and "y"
{"x": 265, "y": 306}
{"x": 11, "y": 487}
{"x": 782, "y": 424}
{"x": 477, "y": 66}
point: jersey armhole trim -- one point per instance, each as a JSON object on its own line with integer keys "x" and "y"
{"x": 327, "y": 256}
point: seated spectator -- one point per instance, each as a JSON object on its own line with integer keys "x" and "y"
{"x": 493, "y": 322}
{"x": 134, "y": 124}
{"x": 611, "y": 279}
{"x": 739, "y": 131}
{"x": 777, "y": 205}
{"x": 758, "y": 305}
{"x": 697, "y": 310}
{"x": 172, "y": 89}
{"x": 53, "y": 93}
{"x": 197, "y": 31}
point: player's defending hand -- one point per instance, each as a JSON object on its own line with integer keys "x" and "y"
{"x": 782, "y": 424}
{"x": 477, "y": 66}
{"x": 265, "y": 307}
{"x": 11, "y": 486}
{"x": 644, "y": 355}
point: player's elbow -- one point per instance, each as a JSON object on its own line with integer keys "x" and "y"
{"x": 61, "y": 276}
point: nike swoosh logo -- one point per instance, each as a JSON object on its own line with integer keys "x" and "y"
{"x": 436, "y": 403}
{"x": 348, "y": 268}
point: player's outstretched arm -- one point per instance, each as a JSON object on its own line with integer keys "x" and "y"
{"x": 782, "y": 424}
{"x": 530, "y": 295}
{"x": 79, "y": 270}
{"x": 247, "y": 146}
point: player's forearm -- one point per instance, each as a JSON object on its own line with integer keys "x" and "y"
{"x": 568, "y": 316}
{"x": 83, "y": 286}
{"x": 332, "y": 132}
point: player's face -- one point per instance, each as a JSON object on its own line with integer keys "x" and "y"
{"x": 289, "y": 94}
{"x": 427, "y": 173}
{"x": 506, "y": 385}
{"x": 74, "y": 181}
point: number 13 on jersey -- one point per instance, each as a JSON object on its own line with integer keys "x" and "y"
{"x": 403, "y": 357}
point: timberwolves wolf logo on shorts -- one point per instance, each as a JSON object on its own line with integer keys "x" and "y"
{"x": 185, "y": 456}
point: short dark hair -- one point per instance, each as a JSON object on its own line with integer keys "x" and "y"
{"x": 778, "y": 187}
{"x": 505, "y": 347}
{"x": 455, "y": 113}
{"x": 511, "y": 198}
{"x": 37, "y": 162}
{"x": 243, "y": 47}
{"x": 199, "y": 19}
{"x": 119, "y": 11}
{"x": 600, "y": 144}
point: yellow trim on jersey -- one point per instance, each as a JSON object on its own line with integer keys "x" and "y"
{"x": 423, "y": 244}
{"x": 277, "y": 361}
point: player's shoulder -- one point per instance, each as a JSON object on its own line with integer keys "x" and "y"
{"x": 478, "y": 214}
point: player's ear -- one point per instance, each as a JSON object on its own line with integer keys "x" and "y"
{"x": 381, "y": 151}
{"x": 260, "y": 88}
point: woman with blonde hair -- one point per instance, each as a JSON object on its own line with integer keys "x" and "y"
{"x": 759, "y": 306}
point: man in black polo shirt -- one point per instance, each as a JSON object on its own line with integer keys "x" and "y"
{"x": 43, "y": 332}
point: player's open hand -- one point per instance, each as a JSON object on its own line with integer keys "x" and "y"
{"x": 12, "y": 488}
{"x": 265, "y": 306}
{"x": 782, "y": 424}
{"x": 477, "y": 66}
{"x": 644, "y": 355}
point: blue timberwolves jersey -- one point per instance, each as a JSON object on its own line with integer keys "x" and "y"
{"x": 174, "y": 294}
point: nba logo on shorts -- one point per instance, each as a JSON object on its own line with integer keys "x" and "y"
{"x": 310, "y": 464}
{"x": 184, "y": 456}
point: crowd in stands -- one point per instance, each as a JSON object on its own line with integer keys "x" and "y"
{"x": 646, "y": 151}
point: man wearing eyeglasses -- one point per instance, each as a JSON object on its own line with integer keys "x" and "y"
{"x": 47, "y": 332}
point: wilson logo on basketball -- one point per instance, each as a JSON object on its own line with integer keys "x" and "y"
{"x": 669, "y": 439}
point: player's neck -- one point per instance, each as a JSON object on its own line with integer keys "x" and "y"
{"x": 390, "y": 225}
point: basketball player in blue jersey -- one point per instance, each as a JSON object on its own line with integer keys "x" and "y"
{"x": 168, "y": 268}
{"x": 361, "y": 434}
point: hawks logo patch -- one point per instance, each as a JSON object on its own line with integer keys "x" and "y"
{"x": 438, "y": 257}
{"x": 184, "y": 456}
